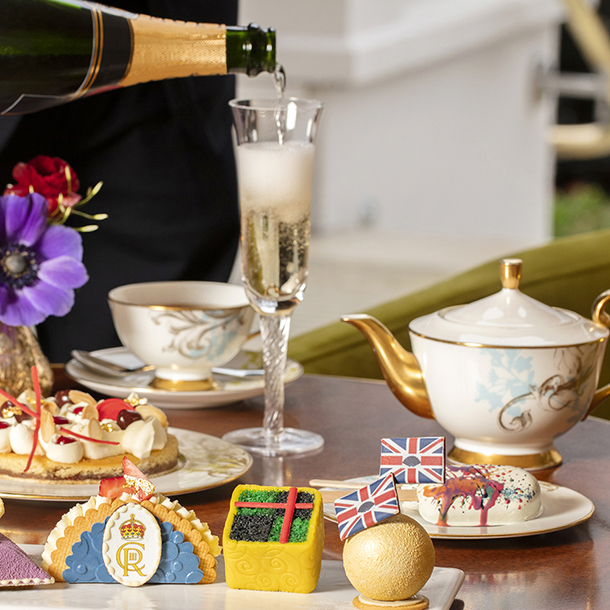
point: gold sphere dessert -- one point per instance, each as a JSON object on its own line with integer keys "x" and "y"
{"x": 390, "y": 561}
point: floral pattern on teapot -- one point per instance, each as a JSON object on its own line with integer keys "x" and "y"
{"x": 513, "y": 389}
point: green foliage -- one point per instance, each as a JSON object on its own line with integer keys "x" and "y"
{"x": 580, "y": 209}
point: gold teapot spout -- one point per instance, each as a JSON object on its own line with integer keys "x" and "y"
{"x": 400, "y": 368}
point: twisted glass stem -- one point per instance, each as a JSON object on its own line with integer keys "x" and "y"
{"x": 274, "y": 333}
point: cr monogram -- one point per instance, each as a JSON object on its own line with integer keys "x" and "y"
{"x": 129, "y": 557}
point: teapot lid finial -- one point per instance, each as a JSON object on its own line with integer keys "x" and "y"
{"x": 510, "y": 272}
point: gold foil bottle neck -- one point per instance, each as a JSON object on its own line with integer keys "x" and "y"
{"x": 510, "y": 272}
{"x": 173, "y": 49}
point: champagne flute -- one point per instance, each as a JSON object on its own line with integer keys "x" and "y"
{"x": 275, "y": 159}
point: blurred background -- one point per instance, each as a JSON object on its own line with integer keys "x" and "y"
{"x": 435, "y": 151}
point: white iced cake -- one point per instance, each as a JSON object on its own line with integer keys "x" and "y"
{"x": 481, "y": 495}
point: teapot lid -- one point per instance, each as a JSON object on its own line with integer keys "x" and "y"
{"x": 508, "y": 318}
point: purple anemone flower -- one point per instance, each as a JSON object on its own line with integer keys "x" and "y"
{"x": 40, "y": 264}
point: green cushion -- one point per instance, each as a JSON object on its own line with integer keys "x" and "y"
{"x": 569, "y": 272}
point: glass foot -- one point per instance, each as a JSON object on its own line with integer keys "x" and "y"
{"x": 291, "y": 441}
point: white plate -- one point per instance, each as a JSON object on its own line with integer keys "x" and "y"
{"x": 206, "y": 461}
{"x": 230, "y": 390}
{"x": 562, "y": 508}
{"x": 333, "y": 591}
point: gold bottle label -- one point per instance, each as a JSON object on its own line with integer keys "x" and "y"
{"x": 173, "y": 49}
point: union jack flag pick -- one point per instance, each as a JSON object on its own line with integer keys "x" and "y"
{"x": 371, "y": 504}
{"x": 414, "y": 460}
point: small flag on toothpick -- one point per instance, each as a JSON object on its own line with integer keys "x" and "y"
{"x": 365, "y": 507}
{"x": 414, "y": 460}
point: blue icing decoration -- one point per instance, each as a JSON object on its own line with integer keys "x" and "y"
{"x": 171, "y": 551}
{"x": 85, "y": 563}
{"x": 178, "y": 562}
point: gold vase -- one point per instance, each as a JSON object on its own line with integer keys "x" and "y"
{"x": 19, "y": 352}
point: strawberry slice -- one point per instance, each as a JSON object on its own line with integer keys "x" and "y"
{"x": 114, "y": 487}
{"x": 111, "y": 407}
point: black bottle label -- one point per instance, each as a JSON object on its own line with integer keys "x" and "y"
{"x": 51, "y": 53}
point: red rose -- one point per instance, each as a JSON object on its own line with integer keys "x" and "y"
{"x": 52, "y": 177}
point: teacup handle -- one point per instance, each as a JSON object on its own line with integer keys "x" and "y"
{"x": 601, "y": 317}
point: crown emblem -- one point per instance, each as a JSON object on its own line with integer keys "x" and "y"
{"x": 132, "y": 529}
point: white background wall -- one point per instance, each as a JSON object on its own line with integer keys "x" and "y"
{"x": 433, "y": 122}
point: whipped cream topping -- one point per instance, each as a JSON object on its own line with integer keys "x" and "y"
{"x": 5, "y": 437}
{"x": 70, "y": 453}
{"x": 143, "y": 436}
{"x": 22, "y": 438}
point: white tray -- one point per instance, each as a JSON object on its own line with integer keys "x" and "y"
{"x": 334, "y": 592}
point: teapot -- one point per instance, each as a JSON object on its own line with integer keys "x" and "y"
{"x": 504, "y": 375}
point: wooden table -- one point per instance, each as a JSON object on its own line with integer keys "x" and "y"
{"x": 568, "y": 569}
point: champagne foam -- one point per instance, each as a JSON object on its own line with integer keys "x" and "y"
{"x": 276, "y": 178}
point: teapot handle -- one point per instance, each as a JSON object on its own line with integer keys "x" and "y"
{"x": 601, "y": 317}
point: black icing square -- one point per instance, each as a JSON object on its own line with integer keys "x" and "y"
{"x": 253, "y": 528}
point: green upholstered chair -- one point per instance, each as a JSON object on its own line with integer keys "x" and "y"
{"x": 569, "y": 272}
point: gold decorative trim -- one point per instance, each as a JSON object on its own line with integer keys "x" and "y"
{"x": 468, "y": 344}
{"x": 181, "y": 307}
{"x": 96, "y": 56}
{"x": 535, "y": 461}
{"x": 178, "y": 385}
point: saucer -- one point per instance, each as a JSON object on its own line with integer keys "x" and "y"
{"x": 562, "y": 507}
{"x": 229, "y": 390}
{"x": 205, "y": 462}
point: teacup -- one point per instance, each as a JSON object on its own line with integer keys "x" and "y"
{"x": 182, "y": 328}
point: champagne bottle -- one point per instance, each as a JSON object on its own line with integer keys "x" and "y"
{"x": 55, "y": 51}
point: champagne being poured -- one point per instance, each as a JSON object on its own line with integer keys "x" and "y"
{"x": 55, "y": 51}
{"x": 279, "y": 81}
